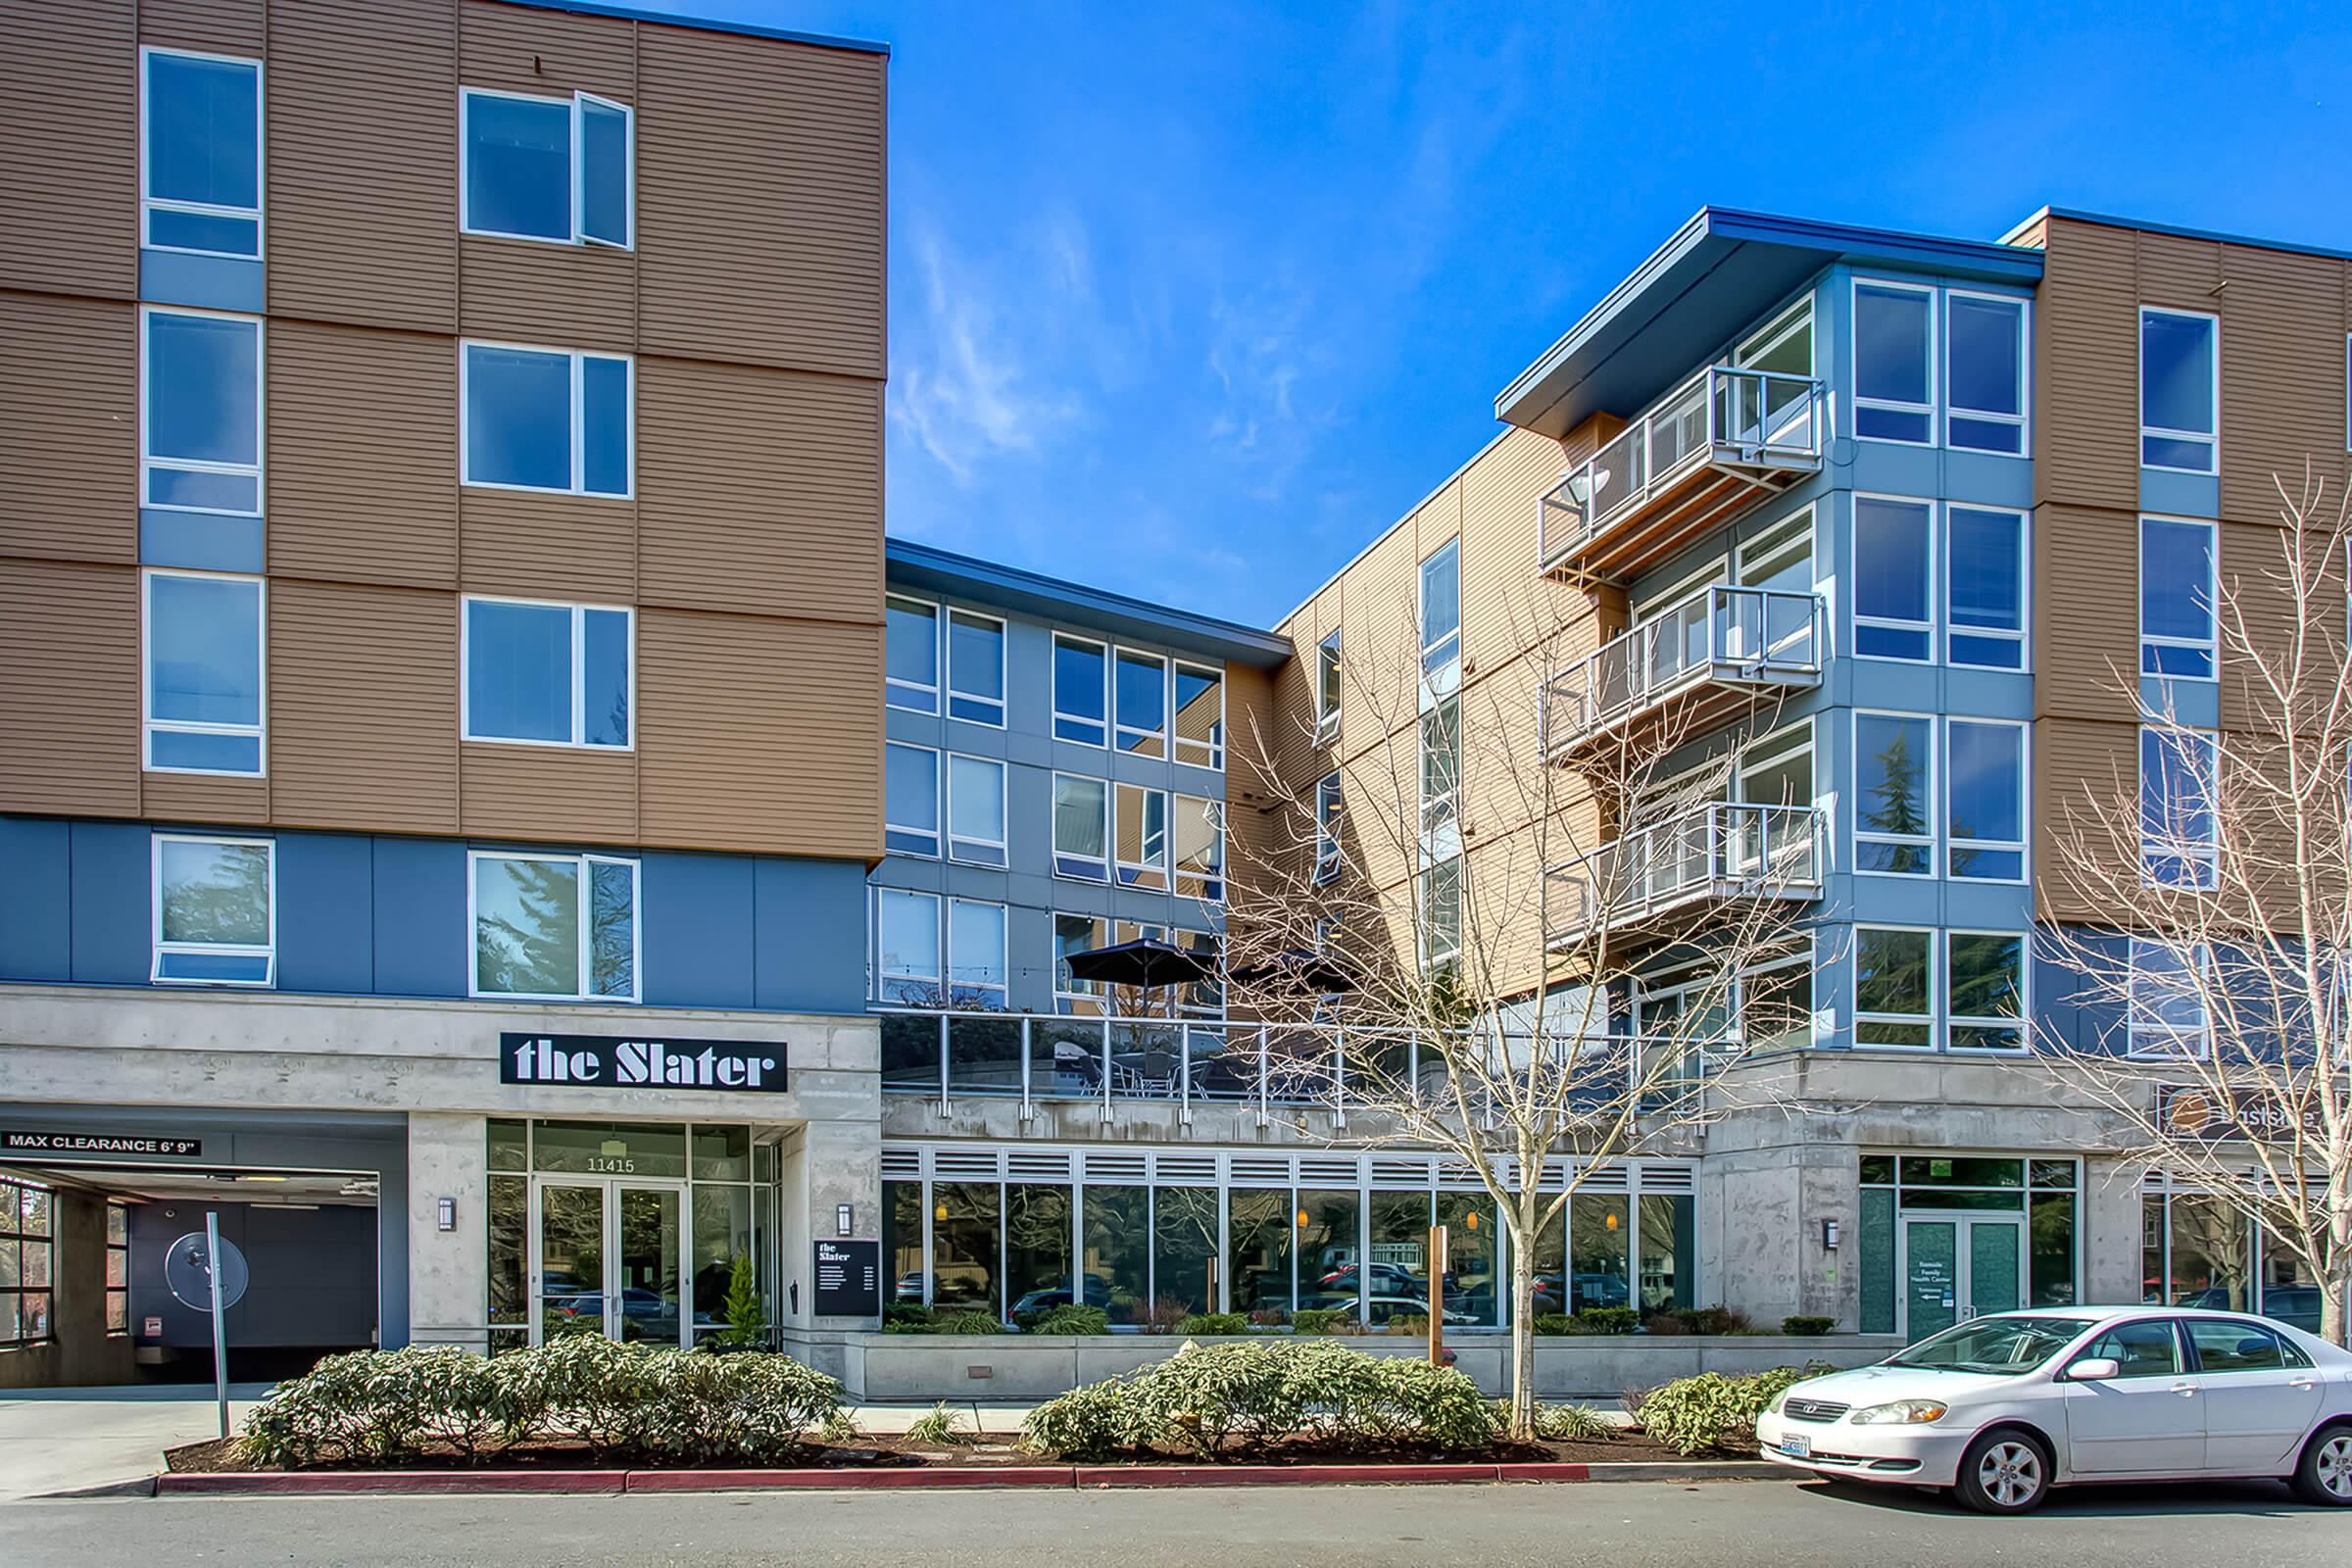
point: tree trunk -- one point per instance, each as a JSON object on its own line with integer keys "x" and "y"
{"x": 1523, "y": 1333}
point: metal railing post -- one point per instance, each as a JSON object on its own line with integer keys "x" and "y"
{"x": 943, "y": 1064}
{"x": 1264, "y": 1070}
{"x": 1026, "y": 1103}
{"x": 1183, "y": 1073}
{"x": 1107, "y": 1066}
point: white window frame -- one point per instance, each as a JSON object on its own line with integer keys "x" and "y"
{"x": 578, "y": 165}
{"x": 2210, "y": 643}
{"x": 1002, "y": 991}
{"x": 579, "y": 673}
{"x": 1062, "y": 716}
{"x": 1156, "y": 747}
{"x": 1214, "y": 746}
{"x": 2022, "y": 845}
{"x": 1080, "y": 998}
{"x": 1429, "y": 686}
{"x": 586, "y": 958}
{"x": 2207, "y": 855}
{"x": 2212, "y": 438}
{"x": 2023, "y": 418}
{"x": 1931, "y": 557}
{"x": 1936, "y": 977}
{"x": 1931, "y": 841}
{"x": 149, "y": 725}
{"x": 160, "y": 948}
{"x": 939, "y": 804}
{"x": 1450, "y": 800}
{"x": 1110, "y": 848}
{"x": 1431, "y": 955}
{"x": 1328, "y": 655}
{"x": 1146, "y": 874}
{"x": 150, "y": 203}
{"x": 1213, "y": 814}
{"x": 1329, "y": 803}
{"x": 1932, "y": 380}
{"x": 1952, "y": 629}
{"x": 882, "y": 978}
{"x": 577, "y": 415}
{"x": 959, "y": 843}
{"x": 948, "y": 692}
{"x": 892, "y": 684}
{"x": 260, "y": 418}
{"x": 2022, "y": 1023}
{"x": 2134, "y": 1032}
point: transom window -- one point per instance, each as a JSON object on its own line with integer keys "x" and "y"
{"x": 910, "y": 799}
{"x": 2180, "y": 390}
{"x": 975, "y": 809}
{"x": 200, "y": 153}
{"x": 1080, "y": 679}
{"x": 911, "y": 655}
{"x": 1142, "y": 691}
{"x": 204, "y": 688}
{"x": 1081, "y": 828}
{"x": 216, "y": 910}
{"x": 976, "y": 668}
{"x": 2176, "y": 598}
{"x": 1986, "y": 799}
{"x": 200, "y": 412}
{"x": 554, "y": 927}
{"x": 547, "y": 420}
{"x": 549, "y": 674}
{"x": 2179, "y": 832}
{"x": 549, "y": 169}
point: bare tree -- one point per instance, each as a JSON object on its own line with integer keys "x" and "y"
{"x": 2222, "y": 866}
{"x": 1483, "y": 904}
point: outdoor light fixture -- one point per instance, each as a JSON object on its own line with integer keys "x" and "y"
{"x": 1470, "y": 1220}
{"x": 843, "y": 1213}
{"x": 448, "y": 1214}
{"x": 940, "y": 1213}
{"x": 1610, "y": 1221}
{"x": 1302, "y": 1219}
{"x": 1828, "y": 1234}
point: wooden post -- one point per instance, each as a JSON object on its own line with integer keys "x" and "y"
{"x": 1210, "y": 1301}
{"x": 1437, "y": 1295}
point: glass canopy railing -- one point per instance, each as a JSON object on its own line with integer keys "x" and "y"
{"x": 1722, "y": 849}
{"x": 1747, "y": 637}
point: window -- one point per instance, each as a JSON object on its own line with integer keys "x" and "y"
{"x": 200, "y": 153}
{"x": 910, "y": 799}
{"x": 906, "y": 945}
{"x": 26, "y": 1229}
{"x": 1079, "y": 675}
{"x": 1327, "y": 688}
{"x": 1984, "y": 374}
{"x": 547, "y": 420}
{"x": 206, "y": 702}
{"x": 1081, "y": 831}
{"x": 975, "y": 668}
{"x": 1894, "y": 589}
{"x": 2180, "y": 835}
{"x": 216, "y": 910}
{"x": 911, "y": 656}
{"x": 555, "y": 927}
{"x": 2227, "y": 1346}
{"x": 1895, "y": 1001}
{"x": 1143, "y": 703}
{"x": 1895, "y": 358}
{"x": 1985, "y": 794}
{"x": 1441, "y": 914}
{"x": 552, "y": 169}
{"x": 1074, "y": 934}
{"x": 117, "y": 1267}
{"x": 2165, "y": 1011}
{"x": 200, "y": 412}
{"x": 1441, "y": 765}
{"x": 1984, "y": 990}
{"x": 2145, "y": 1350}
{"x": 1442, "y": 620}
{"x": 2176, "y": 598}
{"x": 1893, "y": 762}
{"x": 2180, "y": 390}
{"x": 975, "y": 811}
{"x": 1200, "y": 716}
{"x": 1200, "y": 834}
{"x": 1986, "y": 577}
{"x": 549, "y": 674}
{"x": 1327, "y": 827}
{"x": 1142, "y": 824}
{"x": 975, "y": 955}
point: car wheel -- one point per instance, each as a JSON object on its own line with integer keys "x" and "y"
{"x": 2324, "y": 1474}
{"x": 2005, "y": 1472}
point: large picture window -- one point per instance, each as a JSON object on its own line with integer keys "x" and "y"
{"x": 975, "y": 955}
{"x": 2165, "y": 1011}
{"x": 2180, "y": 831}
{"x": 2176, "y": 598}
{"x": 1985, "y": 991}
{"x": 910, "y": 800}
{"x": 545, "y": 419}
{"x": 1894, "y": 587}
{"x": 549, "y": 674}
{"x": 2180, "y": 390}
{"x": 1986, "y": 799}
{"x": 204, "y": 685}
{"x": 975, "y": 811}
{"x": 200, "y": 412}
{"x": 1894, "y": 362}
{"x": 1081, "y": 828}
{"x": 1894, "y": 765}
{"x": 200, "y": 153}
{"x": 549, "y": 169}
{"x": 1985, "y": 372}
{"x": 907, "y": 947}
{"x": 554, "y": 927}
{"x": 1080, "y": 679}
{"x": 1985, "y": 593}
{"x": 28, "y": 1232}
{"x": 1895, "y": 987}
{"x": 216, "y": 910}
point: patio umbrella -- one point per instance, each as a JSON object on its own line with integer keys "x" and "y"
{"x": 1147, "y": 962}
{"x": 1299, "y": 971}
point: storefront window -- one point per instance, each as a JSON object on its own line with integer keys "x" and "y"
{"x": 1184, "y": 1244}
{"x": 723, "y": 1233}
{"x": 1117, "y": 1235}
{"x": 1037, "y": 1250}
{"x": 507, "y": 1227}
{"x": 1400, "y": 1261}
{"x": 722, "y": 1153}
{"x": 2289, "y": 1293}
{"x": 1327, "y": 1248}
{"x": 1473, "y": 1248}
{"x": 609, "y": 1148}
{"x": 903, "y": 1242}
{"x": 963, "y": 1245}
{"x": 1669, "y": 1253}
{"x": 1945, "y": 1235}
{"x": 1259, "y": 1257}
{"x": 1598, "y": 1239}
{"x": 2209, "y": 1255}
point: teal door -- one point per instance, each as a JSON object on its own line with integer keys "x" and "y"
{"x": 1931, "y": 1276}
{"x": 1993, "y": 1249}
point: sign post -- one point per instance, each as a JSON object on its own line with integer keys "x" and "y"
{"x": 212, "y": 1250}
{"x": 207, "y": 1274}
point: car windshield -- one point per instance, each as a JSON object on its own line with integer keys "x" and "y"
{"x": 2000, "y": 1346}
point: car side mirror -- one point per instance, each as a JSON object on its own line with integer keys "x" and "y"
{"x": 2093, "y": 1369}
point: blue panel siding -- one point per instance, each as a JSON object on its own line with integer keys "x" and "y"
{"x": 419, "y": 903}
{"x": 207, "y": 282}
{"x": 2180, "y": 495}
{"x": 695, "y": 942}
{"x": 200, "y": 543}
{"x": 111, "y": 917}
{"x": 330, "y": 946}
{"x": 36, "y": 938}
{"x": 810, "y": 920}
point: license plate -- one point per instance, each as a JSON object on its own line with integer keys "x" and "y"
{"x": 1797, "y": 1447}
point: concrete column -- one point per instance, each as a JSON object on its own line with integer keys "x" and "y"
{"x": 824, "y": 1164}
{"x": 448, "y": 1271}
{"x": 2110, "y": 1234}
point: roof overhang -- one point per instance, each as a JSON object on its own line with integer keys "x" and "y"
{"x": 1719, "y": 273}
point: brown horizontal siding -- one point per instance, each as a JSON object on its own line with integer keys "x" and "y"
{"x": 363, "y": 455}
{"x": 760, "y": 189}
{"x": 69, "y": 128}
{"x": 534, "y": 50}
{"x": 549, "y": 296}
{"x": 759, "y": 734}
{"x": 68, "y": 428}
{"x": 1507, "y": 605}
{"x": 363, "y": 707}
{"x": 69, "y": 688}
{"x": 205, "y": 797}
{"x": 2179, "y": 273}
{"x": 2257, "y": 574}
{"x": 2087, "y": 370}
{"x": 2283, "y": 381}
{"x": 2086, "y": 774}
{"x": 534, "y": 546}
{"x": 549, "y": 794}
{"x": 762, "y": 490}
{"x": 2085, "y": 611}
{"x": 215, "y": 27}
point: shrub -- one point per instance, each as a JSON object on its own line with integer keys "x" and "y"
{"x": 1606, "y": 1320}
{"x": 1415, "y": 1324}
{"x": 1807, "y": 1327}
{"x": 1164, "y": 1315}
{"x": 965, "y": 1320}
{"x": 1071, "y": 1320}
{"x": 1212, "y": 1323}
{"x": 746, "y": 1320}
{"x": 1321, "y": 1320}
{"x": 1691, "y": 1415}
{"x": 939, "y": 1424}
{"x": 1086, "y": 1424}
{"x": 1715, "y": 1320}
{"x": 1553, "y": 1324}
{"x": 906, "y": 1317}
{"x": 1573, "y": 1422}
{"x": 1633, "y": 1399}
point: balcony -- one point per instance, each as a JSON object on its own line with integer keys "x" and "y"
{"x": 1700, "y": 662}
{"x": 1705, "y": 452}
{"x": 1671, "y": 874}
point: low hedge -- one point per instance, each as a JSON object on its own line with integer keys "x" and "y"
{"x": 388, "y": 1406}
{"x": 1692, "y": 1415}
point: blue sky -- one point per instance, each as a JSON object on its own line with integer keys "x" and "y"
{"x": 1192, "y": 301}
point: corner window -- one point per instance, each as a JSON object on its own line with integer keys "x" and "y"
{"x": 1894, "y": 830}
{"x": 1327, "y": 689}
{"x": 1142, "y": 691}
{"x": 1200, "y": 716}
{"x": 28, "y": 1232}
{"x": 545, "y": 419}
{"x": 910, "y": 800}
{"x": 1080, "y": 679}
{"x": 2176, "y": 598}
{"x": 2180, "y": 390}
{"x": 906, "y": 950}
{"x": 1327, "y": 827}
{"x": 2180, "y": 835}
{"x": 1441, "y": 620}
{"x": 976, "y": 966}
{"x": 975, "y": 811}
{"x": 1894, "y": 358}
{"x": 216, "y": 910}
{"x": 975, "y": 668}
{"x": 204, "y": 685}
{"x": 1894, "y": 589}
{"x": 1986, "y": 592}
{"x": 1986, "y": 799}
{"x": 549, "y": 169}
{"x": 1985, "y": 374}
{"x": 1984, "y": 990}
{"x": 1199, "y": 838}
{"x": 1142, "y": 820}
{"x": 1081, "y": 832}
{"x": 2164, "y": 1012}
{"x": 200, "y": 412}
{"x": 910, "y": 656}
{"x": 554, "y": 927}
{"x": 200, "y": 153}
{"x": 1895, "y": 1003}
{"x": 549, "y": 674}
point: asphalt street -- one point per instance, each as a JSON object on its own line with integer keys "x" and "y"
{"x": 1626, "y": 1526}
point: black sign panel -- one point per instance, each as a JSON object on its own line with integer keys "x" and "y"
{"x": 849, "y": 1278}
{"x": 612, "y": 1061}
{"x": 84, "y": 1144}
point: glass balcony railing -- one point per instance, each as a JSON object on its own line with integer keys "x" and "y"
{"x": 1743, "y": 638}
{"x": 1722, "y": 849}
{"x": 1758, "y": 425}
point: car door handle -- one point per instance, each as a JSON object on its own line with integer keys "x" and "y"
{"x": 2185, "y": 1390}
{"x": 2301, "y": 1383}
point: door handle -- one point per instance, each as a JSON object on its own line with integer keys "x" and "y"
{"x": 2185, "y": 1390}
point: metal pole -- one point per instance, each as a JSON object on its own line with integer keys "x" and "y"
{"x": 1437, "y": 1295}
{"x": 212, "y": 1268}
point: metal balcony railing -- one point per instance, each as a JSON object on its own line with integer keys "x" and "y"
{"x": 1733, "y": 637}
{"x": 1722, "y": 849}
{"x": 1760, "y": 426}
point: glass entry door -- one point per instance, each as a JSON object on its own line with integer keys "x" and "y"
{"x": 1959, "y": 1267}
{"x": 608, "y": 1258}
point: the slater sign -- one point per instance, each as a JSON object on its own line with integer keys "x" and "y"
{"x": 614, "y": 1061}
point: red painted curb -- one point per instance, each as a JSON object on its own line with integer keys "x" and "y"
{"x": 881, "y": 1480}
{"x": 1264, "y": 1475}
{"x": 1544, "y": 1472}
{"x": 412, "y": 1482}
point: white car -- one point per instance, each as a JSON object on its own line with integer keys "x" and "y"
{"x": 2001, "y": 1408}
